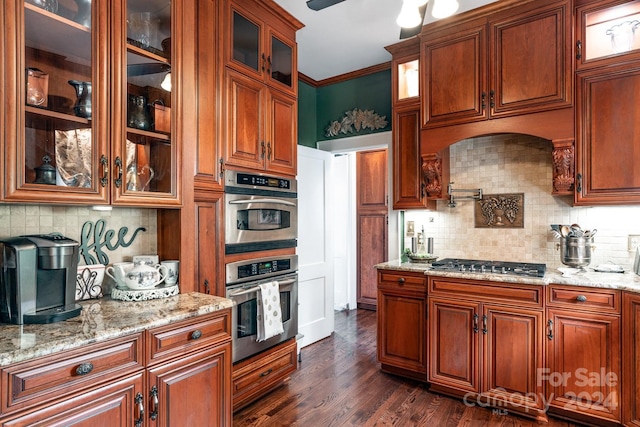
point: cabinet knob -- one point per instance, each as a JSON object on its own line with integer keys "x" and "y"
{"x": 581, "y": 298}
{"x": 401, "y": 280}
{"x": 84, "y": 368}
{"x": 196, "y": 334}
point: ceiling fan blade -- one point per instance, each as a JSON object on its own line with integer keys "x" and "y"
{"x": 405, "y": 33}
{"x": 321, "y": 4}
{"x": 147, "y": 68}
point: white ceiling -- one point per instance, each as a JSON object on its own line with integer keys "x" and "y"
{"x": 351, "y": 35}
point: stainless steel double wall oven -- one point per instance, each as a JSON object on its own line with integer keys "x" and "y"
{"x": 261, "y": 214}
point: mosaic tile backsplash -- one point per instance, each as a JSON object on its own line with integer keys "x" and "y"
{"x": 519, "y": 164}
{"x": 16, "y": 220}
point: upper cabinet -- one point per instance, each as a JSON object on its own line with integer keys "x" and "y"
{"x": 261, "y": 43}
{"x": 499, "y": 62}
{"x": 260, "y": 86}
{"x": 605, "y": 32}
{"x": 92, "y": 120}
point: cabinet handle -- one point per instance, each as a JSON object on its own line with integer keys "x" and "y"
{"x": 422, "y": 188}
{"x": 265, "y": 373}
{"x": 84, "y": 368}
{"x": 263, "y": 62}
{"x": 550, "y": 334}
{"x": 483, "y": 99}
{"x": 196, "y": 334}
{"x": 581, "y": 298}
{"x": 579, "y": 183}
{"x": 475, "y": 322}
{"x": 269, "y": 64}
{"x": 105, "y": 170}
{"x": 138, "y": 400}
{"x": 206, "y": 286}
{"x": 578, "y": 49}
{"x": 118, "y": 180}
{"x": 484, "y": 325}
{"x": 269, "y": 151}
{"x": 492, "y": 95}
{"x": 263, "y": 150}
{"x": 221, "y": 161}
{"x": 154, "y": 396}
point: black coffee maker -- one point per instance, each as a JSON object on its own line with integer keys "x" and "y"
{"x": 38, "y": 279}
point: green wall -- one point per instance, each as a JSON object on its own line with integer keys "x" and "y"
{"x": 318, "y": 107}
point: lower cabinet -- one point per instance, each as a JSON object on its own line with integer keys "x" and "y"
{"x": 583, "y": 374}
{"x": 254, "y": 377}
{"x": 179, "y": 374}
{"x": 402, "y": 323}
{"x": 631, "y": 360}
{"x": 496, "y": 352}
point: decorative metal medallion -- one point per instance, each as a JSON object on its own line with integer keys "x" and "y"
{"x": 500, "y": 211}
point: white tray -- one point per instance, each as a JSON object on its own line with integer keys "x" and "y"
{"x": 146, "y": 294}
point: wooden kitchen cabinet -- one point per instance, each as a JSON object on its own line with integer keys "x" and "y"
{"x": 257, "y": 375}
{"x": 504, "y": 60}
{"x": 631, "y": 359}
{"x": 402, "y": 326}
{"x": 584, "y": 353}
{"x": 607, "y": 158}
{"x": 260, "y": 86}
{"x": 92, "y": 124}
{"x": 497, "y": 350}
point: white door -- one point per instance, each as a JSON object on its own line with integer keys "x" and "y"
{"x": 315, "y": 252}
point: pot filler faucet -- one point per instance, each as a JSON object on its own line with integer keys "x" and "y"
{"x": 476, "y": 194}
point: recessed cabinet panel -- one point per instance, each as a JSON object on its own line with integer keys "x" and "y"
{"x": 409, "y": 79}
{"x": 246, "y": 41}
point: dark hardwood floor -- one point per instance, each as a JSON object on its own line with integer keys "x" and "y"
{"x": 339, "y": 383}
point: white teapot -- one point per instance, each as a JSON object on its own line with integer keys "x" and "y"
{"x": 144, "y": 276}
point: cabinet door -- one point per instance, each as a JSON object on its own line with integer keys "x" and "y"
{"x": 244, "y": 124}
{"x": 145, "y": 147}
{"x": 282, "y": 144}
{"x": 454, "y": 357}
{"x": 608, "y": 159}
{"x": 210, "y": 244}
{"x": 116, "y": 404}
{"x": 408, "y": 181}
{"x": 192, "y": 391}
{"x": 531, "y": 70}
{"x": 455, "y": 77}
{"x": 57, "y": 124}
{"x": 402, "y": 335}
{"x": 583, "y": 359}
{"x": 631, "y": 360}
{"x": 513, "y": 349}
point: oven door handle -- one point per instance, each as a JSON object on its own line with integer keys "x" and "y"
{"x": 257, "y": 288}
{"x": 275, "y": 201}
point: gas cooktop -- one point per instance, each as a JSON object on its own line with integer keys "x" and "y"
{"x": 489, "y": 267}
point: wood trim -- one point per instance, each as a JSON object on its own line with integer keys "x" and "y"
{"x": 344, "y": 77}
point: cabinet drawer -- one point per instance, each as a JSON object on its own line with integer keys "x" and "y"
{"x": 180, "y": 338}
{"x": 52, "y": 377}
{"x": 402, "y": 280}
{"x": 592, "y": 299}
{"x": 499, "y": 292}
{"x": 257, "y": 375}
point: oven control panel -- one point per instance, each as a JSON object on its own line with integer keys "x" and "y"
{"x": 242, "y": 271}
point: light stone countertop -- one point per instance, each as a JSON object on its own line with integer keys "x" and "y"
{"x": 100, "y": 320}
{"x": 627, "y": 281}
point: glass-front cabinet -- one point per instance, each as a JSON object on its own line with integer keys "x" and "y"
{"x": 606, "y": 30}
{"x": 89, "y": 84}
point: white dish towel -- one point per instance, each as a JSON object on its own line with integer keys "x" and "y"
{"x": 269, "y": 311}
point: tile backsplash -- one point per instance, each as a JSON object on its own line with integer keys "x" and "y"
{"x": 519, "y": 164}
{"x": 16, "y": 220}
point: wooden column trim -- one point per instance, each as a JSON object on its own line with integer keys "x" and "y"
{"x": 564, "y": 161}
{"x": 435, "y": 167}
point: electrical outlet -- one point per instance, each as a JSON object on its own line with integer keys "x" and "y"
{"x": 634, "y": 242}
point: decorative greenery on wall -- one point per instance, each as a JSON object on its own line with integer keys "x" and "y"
{"x": 355, "y": 121}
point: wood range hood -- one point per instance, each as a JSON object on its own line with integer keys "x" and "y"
{"x": 556, "y": 126}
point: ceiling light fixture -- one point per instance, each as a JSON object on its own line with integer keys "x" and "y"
{"x": 444, "y": 8}
{"x": 409, "y": 16}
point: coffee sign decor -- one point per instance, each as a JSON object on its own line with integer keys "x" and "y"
{"x": 96, "y": 238}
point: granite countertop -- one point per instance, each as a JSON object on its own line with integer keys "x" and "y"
{"x": 627, "y": 281}
{"x": 100, "y": 320}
